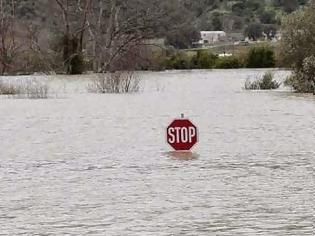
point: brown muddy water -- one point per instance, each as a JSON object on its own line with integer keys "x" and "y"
{"x": 91, "y": 164}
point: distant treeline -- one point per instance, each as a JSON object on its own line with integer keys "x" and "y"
{"x": 74, "y": 36}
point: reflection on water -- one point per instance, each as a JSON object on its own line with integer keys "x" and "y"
{"x": 92, "y": 164}
{"x": 182, "y": 155}
{"x": 293, "y": 95}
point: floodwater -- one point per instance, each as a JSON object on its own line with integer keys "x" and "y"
{"x": 92, "y": 164}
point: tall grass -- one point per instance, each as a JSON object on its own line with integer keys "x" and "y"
{"x": 29, "y": 88}
{"x": 9, "y": 88}
{"x": 117, "y": 82}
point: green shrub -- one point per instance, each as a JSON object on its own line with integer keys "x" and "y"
{"x": 264, "y": 83}
{"x": 297, "y": 48}
{"x": 228, "y": 63}
{"x": 261, "y": 57}
{"x": 179, "y": 61}
{"x": 303, "y": 80}
{"x": 297, "y": 82}
{"x": 204, "y": 60}
{"x": 268, "y": 82}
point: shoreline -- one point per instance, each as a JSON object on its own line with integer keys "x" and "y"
{"x": 37, "y": 74}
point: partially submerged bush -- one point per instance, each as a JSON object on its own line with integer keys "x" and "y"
{"x": 35, "y": 89}
{"x": 32, "y": 89}
{"x": 8, "y": 88}
{"x": 303, "y": 80}
{"x": 298, "y": 48}
{"x": 263, "y": 83}
{"x": 297, "y": 36}
{"x": 117, "y": 82}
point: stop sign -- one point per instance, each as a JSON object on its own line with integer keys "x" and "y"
{"x": 182, "y": 134}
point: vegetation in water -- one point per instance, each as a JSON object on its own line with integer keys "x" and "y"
{"x": 118, "y": 82}
{"x": 266, "y": 82}
{"x": 30, "y": 88}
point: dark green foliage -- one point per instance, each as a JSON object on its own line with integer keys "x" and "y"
{"x": 268, "y": 82}
{"x": 298, "y": 48}
{"x": 238, "y": 24}
{"x": 217, "y": 21}
{"x": 254, "y": 31}
{"x": 238, "y": 8}
{"x": 73, "y": 58}
{"x": 257, "y": 57}
{"x": 179, "y": 61}
{"x": 303, "y": 80}
{"x": 290, "y": 5}
{"x": 261, "y": 57}
{"x": 254, "y": 5}
{"x": 76, "y": 65}
{"x": 228, "y": 63}
{"x": 270, "y": 31}
{"x": 183, "y": 39}
{"x": 204, "y": 59}
{"x": 268, "y": 17}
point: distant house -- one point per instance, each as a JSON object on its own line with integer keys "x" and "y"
{"x": 212, "y": 37}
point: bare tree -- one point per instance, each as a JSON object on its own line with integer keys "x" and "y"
{"x": 75, "y": 17}
{"x": 118, "y": 27}
{"x": 108, "y": 30}
{"x": 39, "y": 57}
{"x": 9, "y": 48}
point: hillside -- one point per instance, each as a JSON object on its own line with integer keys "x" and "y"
{"x": 235, "y": 15}
{"x": 251, "y": 17}
{"x": 102, "y": 34}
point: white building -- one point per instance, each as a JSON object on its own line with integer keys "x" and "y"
{"x": 212, "y": 37}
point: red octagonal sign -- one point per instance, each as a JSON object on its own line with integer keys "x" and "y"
{"x": 182, "y": 134}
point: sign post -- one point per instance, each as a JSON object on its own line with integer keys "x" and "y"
{"x": 182, "y": 134}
